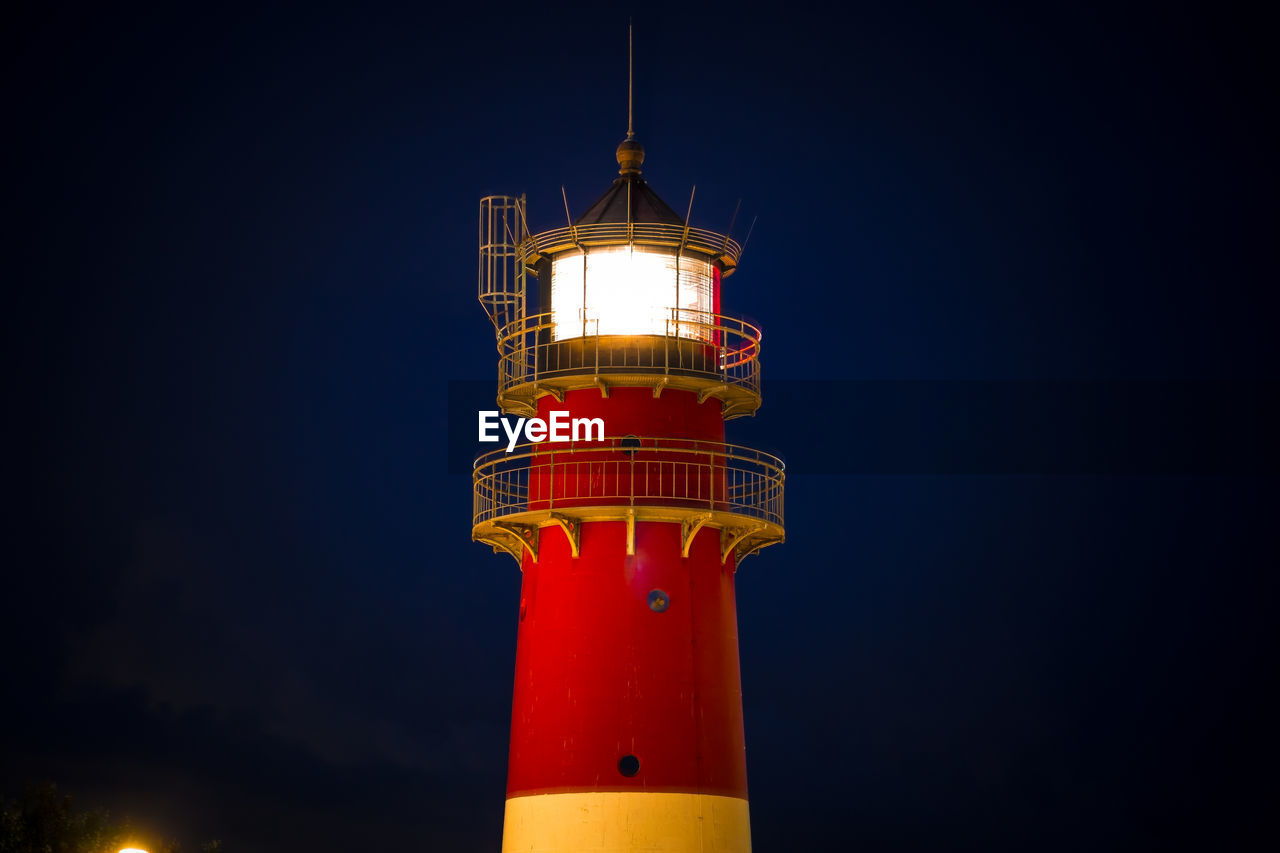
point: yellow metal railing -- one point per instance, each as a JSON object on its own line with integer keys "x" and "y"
{"x": 641, "y": 233}
{"x": 708, "y": 346}
{"x": 628, "y": 472}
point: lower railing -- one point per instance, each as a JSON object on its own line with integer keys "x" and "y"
{"x": 628, "y": 471}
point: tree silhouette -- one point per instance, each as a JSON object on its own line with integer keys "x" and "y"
{"x": 44, "y": 821}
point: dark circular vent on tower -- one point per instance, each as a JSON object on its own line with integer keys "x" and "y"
{"x": 628, "y": 765}
{"x": 659, "y": 601}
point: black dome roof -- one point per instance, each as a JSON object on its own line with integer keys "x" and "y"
{"x": 646, "y": 206}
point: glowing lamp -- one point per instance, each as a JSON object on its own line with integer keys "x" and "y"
{"x": 631, "y": 290}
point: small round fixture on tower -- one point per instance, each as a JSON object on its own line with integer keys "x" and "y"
{"x": 659, "y": 601}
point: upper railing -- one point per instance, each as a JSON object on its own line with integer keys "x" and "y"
{"x": 628, "y": 472}
{"x": 718, "y": 246}
{"x": 694, "y": 344}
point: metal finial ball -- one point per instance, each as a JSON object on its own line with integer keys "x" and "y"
{"x": 630, "y": 156}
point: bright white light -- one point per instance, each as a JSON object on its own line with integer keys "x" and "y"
{"x": 629, "y": 290}
{"x": 132, "y": 850}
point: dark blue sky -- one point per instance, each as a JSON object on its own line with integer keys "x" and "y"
{"x": 241, "y": 601}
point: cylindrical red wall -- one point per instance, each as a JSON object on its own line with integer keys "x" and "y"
{"x": 635, "y": 411}
{"x": 600, "y": 674}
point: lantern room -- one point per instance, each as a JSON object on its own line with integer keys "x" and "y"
{"x": 628, "y": 292}
{"x": 636, "y": 285}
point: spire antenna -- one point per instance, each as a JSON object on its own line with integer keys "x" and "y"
{"x": 631, "y": 134}
{"x": 630, "y": 152}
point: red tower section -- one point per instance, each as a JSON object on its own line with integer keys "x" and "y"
{"x": 626, "y": 729}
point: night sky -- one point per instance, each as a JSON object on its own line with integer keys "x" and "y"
{"x": 239, "y": 594}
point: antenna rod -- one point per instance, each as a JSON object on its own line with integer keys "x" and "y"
{"x": 630, "y": 77}
{"x": 684, "y": 238}
{"x": 573, "y": 235}
{"x": 748, "y": 240}
{"x": 728, "y": 234}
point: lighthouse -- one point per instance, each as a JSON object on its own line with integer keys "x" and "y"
{"x": 626, "y": 721}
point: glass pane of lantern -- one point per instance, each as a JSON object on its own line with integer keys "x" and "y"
{"x": 695, "y": 300}
{"x": 567, "y": 296}
{"x": 630, "y": 290}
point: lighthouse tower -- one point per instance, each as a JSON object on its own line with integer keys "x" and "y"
{"x": 626, "y": 724}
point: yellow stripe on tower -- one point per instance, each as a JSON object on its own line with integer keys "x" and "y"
{"x": 626, "y": 821}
